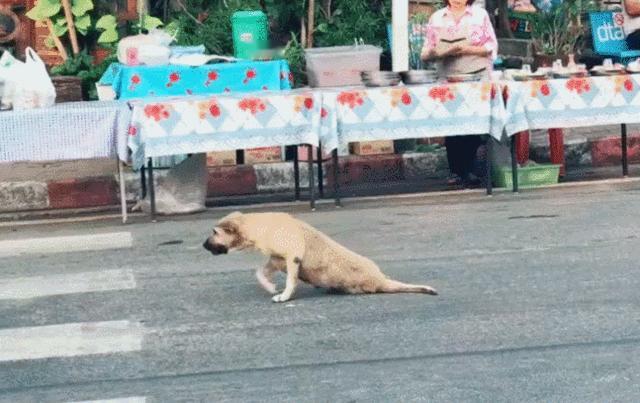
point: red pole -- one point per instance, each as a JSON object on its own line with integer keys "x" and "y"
{"x": 556, "y": 148}
{"x": 522, "y": 147}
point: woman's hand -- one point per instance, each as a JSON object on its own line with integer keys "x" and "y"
{"x": 470, "y": 50}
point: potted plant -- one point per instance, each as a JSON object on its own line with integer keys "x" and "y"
{"x": 558, "y": 31}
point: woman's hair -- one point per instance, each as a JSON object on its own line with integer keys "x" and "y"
{"x": 469, "y": 2}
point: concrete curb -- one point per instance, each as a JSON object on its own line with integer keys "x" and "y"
{"x": 245, "y": 180}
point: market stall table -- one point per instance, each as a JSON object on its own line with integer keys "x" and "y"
{"x": 418, "y": 111}
{"x": 574, "y": 102}
{"x": 67, "y": 131}
{"x": 187, "y": 125}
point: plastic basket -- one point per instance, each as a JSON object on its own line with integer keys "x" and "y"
{"x": 528, "y": 176}
{"x": 340, "y": 65}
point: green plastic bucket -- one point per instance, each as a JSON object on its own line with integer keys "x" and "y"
{"x": 250, "y": 30}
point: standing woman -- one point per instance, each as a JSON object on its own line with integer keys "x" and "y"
{"x": 461, "y": 39}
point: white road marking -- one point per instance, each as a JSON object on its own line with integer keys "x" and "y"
{"x": 70, "y": 340}
{"x": 61, "y": 284}
{"x": 136, "y": 399}
{"x": 61, "y": 244}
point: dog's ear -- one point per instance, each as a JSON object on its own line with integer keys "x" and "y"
{"x": 229, "y": 227}
{"x": 232, "y": 216}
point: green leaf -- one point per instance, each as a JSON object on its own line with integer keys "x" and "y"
{"x": 108, "y": 36}
{"x": 81, "y": 7}
{"x": 44, "y": 9}
{"x": 150, "y": 23}
{"x": 107, "y": 22}
{"x": 48, "y": 42}
{"x": 83, "y": 24}
{"x": 60, "y": 26}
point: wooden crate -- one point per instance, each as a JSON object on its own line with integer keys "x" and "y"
{"x": 221, "y": 158}
{"x": 373, "y": 147}
{"x": 262, "y": 155}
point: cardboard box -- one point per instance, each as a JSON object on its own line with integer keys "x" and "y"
{"x": 372, "y": 147}
{"x": 303, "y": 153}
{"x": 262, "y": 155}
{"x": 221, "y": 158}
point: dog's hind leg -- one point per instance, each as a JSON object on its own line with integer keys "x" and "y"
{"x": 293, "y": 269}
{"x": 265, "y": 274}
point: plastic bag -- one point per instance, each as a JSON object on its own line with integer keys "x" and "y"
{"x": 33, "y": 86}
{"x": 9, "y": 67}
{"x": 183, "y": 190}
{"x": 151, "y": 49}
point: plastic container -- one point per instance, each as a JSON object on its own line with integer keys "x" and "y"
{"x": 250, "y": 30}
{"x": 341, "y": 65}
{"x": 528, "y": 176}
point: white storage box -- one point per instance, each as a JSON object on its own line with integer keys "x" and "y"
{"x": 340, "y": 65}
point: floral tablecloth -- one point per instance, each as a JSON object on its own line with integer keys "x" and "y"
{"x": 438, "y": 110}
{"x": 187, "y": 125}
{"x": 134, "y": 82}
{"x": 575, "y": 102}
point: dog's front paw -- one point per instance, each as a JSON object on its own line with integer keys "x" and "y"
{"x": 281, "y": 298}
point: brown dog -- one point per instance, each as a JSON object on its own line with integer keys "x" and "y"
{"x": 304, "y": 253}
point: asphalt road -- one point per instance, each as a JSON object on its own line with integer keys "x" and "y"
{"x": 539, "y": 301}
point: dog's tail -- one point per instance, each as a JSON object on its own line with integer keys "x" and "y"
{"x": 393, "y": 286}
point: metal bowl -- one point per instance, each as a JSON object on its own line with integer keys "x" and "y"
{"x": 462, "y": 78}
{"x": 413, "y": 77}
{"x": 380, "y": 78}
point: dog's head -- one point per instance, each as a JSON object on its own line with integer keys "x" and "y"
{"x": 226, "y": 236}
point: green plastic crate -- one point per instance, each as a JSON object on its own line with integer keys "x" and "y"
{"x": 250, "y": 30}
{"x": 528, "y": 176}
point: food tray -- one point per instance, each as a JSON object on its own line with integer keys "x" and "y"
{"x": 461, "y": 78}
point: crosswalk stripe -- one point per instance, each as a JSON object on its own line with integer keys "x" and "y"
{"x": 136, "y": 399}
{"x": 60, "y": 244}
{"x": 70, "y": 339}
{"x": 60, "y": 284}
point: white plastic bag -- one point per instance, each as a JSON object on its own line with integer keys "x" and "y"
{"x": 150, "y": 49}
{"x": 33, "y": 86}
{"x": 9, "y": 67}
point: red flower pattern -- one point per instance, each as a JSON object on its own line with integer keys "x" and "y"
{"x": 308, "y": 103}
{"x": 628, "y": 85}
{"x": 545, "y": 90}
{"x": 173, "y": 78}
{"x": 214, "y": 110}
{"x": 132, "y": 130}
{"x": 249, "y": 75}
{"x": 442, "y": 94}
{"x": 351, "y": 98}
{"x": 323, "y": 113}
{"x": 578, "y": 85}
{"x": 157, "y": 112}
{"x": 253, "y": 105}
{"x": 211, "y": 77}
{"x": 406, "y": 99}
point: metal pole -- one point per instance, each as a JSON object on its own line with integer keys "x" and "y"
{"x": 320, "y": 172}
{"x": 296, "y": 174}
{"x": 123, "y": 192}
{"x": 489, "y": 158}
{"x": 312, "y": 184}
{"x": 336, "y": 184}
{"x": 625, "y": 156}
{"x": 514, "y": 164}
{"x": 400, "y": 34}
{"x": 152, "y": 190}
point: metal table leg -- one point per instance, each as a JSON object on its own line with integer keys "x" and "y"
{"x": 625, "y": 156}
{"x": 123, "y": 192}
{"x": 336, "y": 184}
{"x": 143, "y": 183}
{"x": 489, "y": 159}
{"x": 296, "y": 174}
{"x": 320, "y": 172}
{"x": 152, "y": 190}
{"x": 312, "y": 182}
{"x": 514, "y": 164}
